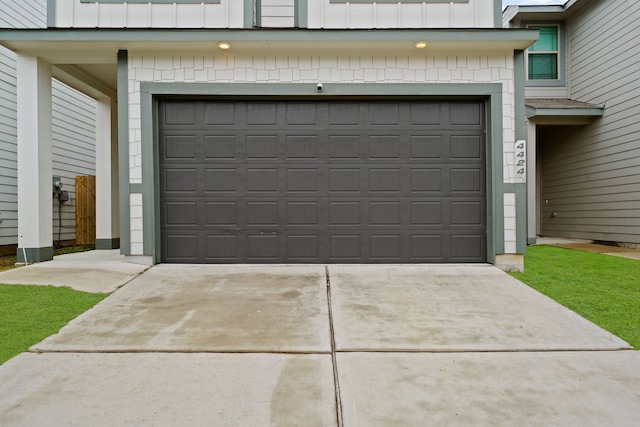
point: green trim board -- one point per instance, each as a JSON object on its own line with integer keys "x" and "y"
{"x": 301, "y": 14}
{"x": 51, "y": 13}
{"x": 106, "y": 244}
{"x": 34, "y": 254}
{"x": 497, "y": 13}
{"x": 249, "y": 14}
{"x": 521, "y": 135}
{"x": 492, "y": 92}
{"x": 519, "y": 89}
{"x": 123, "y": 152}
{"x": 133, "y": 35}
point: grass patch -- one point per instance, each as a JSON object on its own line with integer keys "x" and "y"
{"x": 601, "y": 288}
{"x": 29, "y": 314}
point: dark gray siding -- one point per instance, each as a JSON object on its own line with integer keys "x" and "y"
{"x": 591, "y": 175}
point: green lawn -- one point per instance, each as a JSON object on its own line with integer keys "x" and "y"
{"x": 602, "y": 288}
{"x": 28, "y": 314}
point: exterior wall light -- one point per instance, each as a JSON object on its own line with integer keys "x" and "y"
{"x": 224, "y": 45}
{"x": 420, "y": 44}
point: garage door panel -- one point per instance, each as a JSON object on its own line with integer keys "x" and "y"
{"x": 219, "y": 213}
{"x": 466, "y": 113}
{"x": 344, "y": 147}
{"x": 180, "y": 180}
{"x": 426, "y": 180}
{"x": 303, "y": 247}
{"x": 467, "y": 248}
{"x": 385, "y": 247}
{"x": 467, "y": 213}
{"x": 221, "y": 180}
{"x": 262, "y": 180}
{"x": 466, "y": 180}
{"x": 179, "y": 113}
{"x": 466, "y": 147}
{"x": 302, "y": 213}
{"x": 302, "y": 147}
{"x": 263, "y": 213}
{"x": 180, "y": 146}
{"x": 221, "y": 248}
{"x": 181, "y": 247}
{"x": 301, "y": 113}
{"x": 262, "y": 247}
{"x": 426, "y": 213}
{"x": 427, "y": 248}
{"x": 302, "y": 180}
{"x": 275, "y": 182}
{"x": 344, "y": 180}
{"x": 261, "y": 113}
{"x": 426, "y": 147}
{"x": 220, "y": 147}
{"x": 384, "y": 213}
{"x": 216, "y": 113}
{"x": 181, "y": 214}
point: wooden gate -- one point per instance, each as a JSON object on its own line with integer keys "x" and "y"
{"x": 85, "y": 210}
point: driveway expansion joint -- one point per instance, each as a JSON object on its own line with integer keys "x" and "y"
{"x": 334, "y": 361}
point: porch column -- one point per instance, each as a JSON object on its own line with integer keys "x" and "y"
{"x": 532, "y": 198}
{"x": 107, "y": 223}
{"x": 35, "y": 188}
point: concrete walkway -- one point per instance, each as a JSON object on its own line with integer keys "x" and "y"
{"x": 309, "y": 345}
{"x": 590, "y": 246}
{"x": 98, "y": 271}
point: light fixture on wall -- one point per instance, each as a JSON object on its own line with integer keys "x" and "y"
{"x": 420, "y": 45}
{"x": 224, "y": 45}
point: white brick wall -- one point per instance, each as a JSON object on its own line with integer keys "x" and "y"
{"x": 509, "y": 223}
{"x": 311, "y": 69}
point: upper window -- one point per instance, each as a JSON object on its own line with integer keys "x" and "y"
{"x": 544, "y": 55}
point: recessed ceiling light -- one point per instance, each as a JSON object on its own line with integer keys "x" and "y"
{"x": 224, "y": 45}
{"x": 420, "y": 44}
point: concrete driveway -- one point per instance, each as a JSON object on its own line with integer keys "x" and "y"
{"x": 324, "y": 346}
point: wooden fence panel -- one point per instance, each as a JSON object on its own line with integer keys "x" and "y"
{"x": 85, "y": 210}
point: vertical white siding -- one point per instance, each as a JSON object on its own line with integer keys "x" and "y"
{"x": 74, "y": 14}
{"x": 8, "y": 147}
{"x": 277, "y": 13}
{"x": 73, "y": 135}
{"x": 23, "y": 13}
{"x": 592, "y": 175}
{"x": 474, "y": 14}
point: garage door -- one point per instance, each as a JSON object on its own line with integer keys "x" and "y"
{"x": 322, "y": 182}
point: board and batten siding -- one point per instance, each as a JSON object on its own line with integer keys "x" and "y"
{"x": 472, "y": 14}
{"x": 76, "y": 14}
{"x": 592, "y": 175}
{"x": 275, "y": 14}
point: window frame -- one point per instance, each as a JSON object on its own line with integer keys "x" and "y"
{"x": 561, "y": 66}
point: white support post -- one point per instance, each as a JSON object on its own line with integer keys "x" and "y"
{"x": 35, "y": 188}
{"x": 107, "y": 224}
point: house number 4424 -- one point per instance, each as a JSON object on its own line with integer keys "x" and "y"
{"x": 521, "y": 161}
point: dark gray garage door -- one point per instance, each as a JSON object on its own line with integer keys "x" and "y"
{"x": 322, "y": 182}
